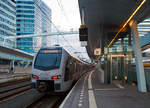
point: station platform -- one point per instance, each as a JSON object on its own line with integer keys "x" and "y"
{"x": 7, "y": 77}
{"x": 20, "y": 73}
{"x": 88, "y": 92}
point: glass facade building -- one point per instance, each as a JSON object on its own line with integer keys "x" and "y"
{"x": 144, "y": 27}
{"x": 29, "y": 20}
{"x": 7, "y": 21}
{"x": 25, "y": 24}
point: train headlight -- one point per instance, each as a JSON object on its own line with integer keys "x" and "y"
{"x": 35, "y": 76}
{"x": 56, "y": 77}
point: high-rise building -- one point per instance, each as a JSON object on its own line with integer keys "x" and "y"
{"x": 25, "y": 24}
{"x": 33, "y": 17}
{"x": 43, "y": 22}
{"x": 144, "y": 27}
{"x": 7, "y": 21}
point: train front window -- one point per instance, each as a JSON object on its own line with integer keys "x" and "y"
{"x": 47, "y": 61}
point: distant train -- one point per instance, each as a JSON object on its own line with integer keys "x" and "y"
{"x": 54, "y": 69}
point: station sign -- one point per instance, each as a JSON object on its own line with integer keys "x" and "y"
{"x": 83, "y": 33}
{"x": 97, "y": 51}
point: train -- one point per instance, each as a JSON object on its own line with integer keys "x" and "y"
{"x": 55, "y": 70}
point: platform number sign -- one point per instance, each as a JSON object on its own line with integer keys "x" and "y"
{"x": 97, "y": 51}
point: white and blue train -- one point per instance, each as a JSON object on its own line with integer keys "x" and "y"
{"x": 54, "y": 69}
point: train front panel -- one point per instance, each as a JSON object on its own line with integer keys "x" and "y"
{"x": 47, "y": 69}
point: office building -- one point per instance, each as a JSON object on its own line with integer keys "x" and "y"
{"x": 144, "y": 27}
{"x": 31, "y": 18}
{"x": 7, "y": 21}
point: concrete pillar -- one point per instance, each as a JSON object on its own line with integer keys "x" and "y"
{"x": 138, "y": 58}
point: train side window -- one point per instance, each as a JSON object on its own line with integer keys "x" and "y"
{"x": 71, "y": 69}
{"x": 67, "y": 71}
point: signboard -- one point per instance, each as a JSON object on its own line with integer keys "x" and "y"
{"x": 97, "y": 51}
{"x": 83, "y": 33}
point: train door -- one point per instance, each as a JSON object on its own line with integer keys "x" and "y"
{"x": 69, "y": 69}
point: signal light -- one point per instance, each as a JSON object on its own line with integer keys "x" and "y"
{"x": 35, "y": 76}
{"x": 56, "y": 77}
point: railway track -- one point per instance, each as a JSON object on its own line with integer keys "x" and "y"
{"x": 21, "y": 95}
{"x": 48, "y": 101}
{"x": 13, "y": 87}
{"x": 14, "y": 91}
{"x": 17, "y": 94}
{"x": 15, "y": 80}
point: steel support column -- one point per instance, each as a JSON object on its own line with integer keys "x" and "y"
{"x": 138, "y": 58}
{"x": 130, "y": 73}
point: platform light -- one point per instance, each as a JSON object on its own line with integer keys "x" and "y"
{"x": 116, "y": 77}
{"x": 127, "y": 22}
{"x": 125, "y": 77}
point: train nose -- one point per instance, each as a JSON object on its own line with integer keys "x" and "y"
{"x": 44, "y": 76}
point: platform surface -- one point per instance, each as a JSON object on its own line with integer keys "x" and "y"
{"x": 90, "y": 93}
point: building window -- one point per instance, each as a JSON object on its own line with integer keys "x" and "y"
{"x": 27, "y": 16}
{"x": 18, "y": 29}
{"x": 5, "y": 14}
{"x": 9, "y": 4}
{"x": 25, "y": 2}
{"x": 6, "y": 8}
{"x": 26, "y": 7}
{"x": 18, "y": 24}
{"x": 25, "y": 11}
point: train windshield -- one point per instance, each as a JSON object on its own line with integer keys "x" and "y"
{"x": 47, "y": 60}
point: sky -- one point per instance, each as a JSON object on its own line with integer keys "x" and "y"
{"x": 66, "y": 18}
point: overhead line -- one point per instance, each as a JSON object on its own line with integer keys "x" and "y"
{"x": 62, "y": 9}
{"x": 55, "y": 26}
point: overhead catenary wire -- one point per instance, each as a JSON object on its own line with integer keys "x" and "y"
{"x": 63, "y": 11}
{"x": 55, "y": 27}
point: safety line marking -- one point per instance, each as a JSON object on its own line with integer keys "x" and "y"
{"x": 92, "y": 102}
{"x": 67, "y": 97}
{"x": 82, "y": 93}
{"x": 108, "y": 89}
{"x": 89, "y": 81}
